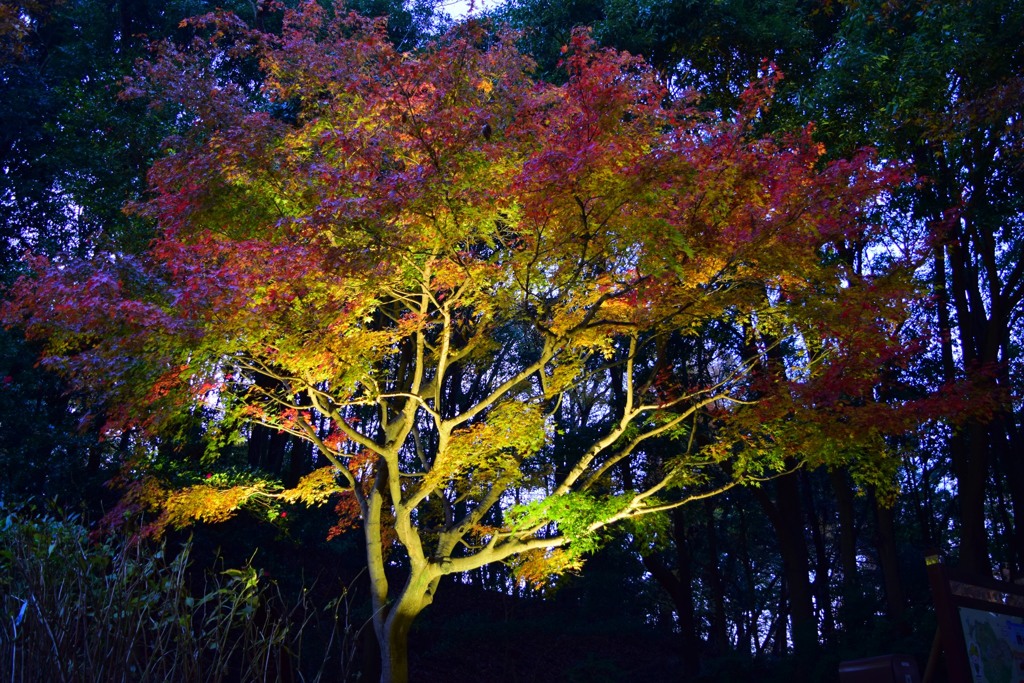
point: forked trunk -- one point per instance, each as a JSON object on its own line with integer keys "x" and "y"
{"x": 394, "y": 653}
{"x": 394, "y": 645}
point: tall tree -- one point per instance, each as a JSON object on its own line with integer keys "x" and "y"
{"x": 713, "y": 47}
{"x": 939, "y": 84}
{"x": 431, "y": 260}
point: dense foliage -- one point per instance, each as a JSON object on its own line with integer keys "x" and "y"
{"x": 502, "y": 327}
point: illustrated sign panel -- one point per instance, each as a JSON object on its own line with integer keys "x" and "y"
{"x": 995, "y": 645}
{"x": 981, "y": 625}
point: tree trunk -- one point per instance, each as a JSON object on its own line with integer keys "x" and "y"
{"x": 299, "y": 462}
{"x": 888, "y": 557}
{"x": 393, "y": 617}
{"x": 970, "y": 450}
{"x": 718, "y": 637}
{"x": 787, "y": 520}
{"x": 679, "y": 586}
{"x": 394, "y": 647}
{"x": 747, "y": 593}
{"x": 971, "y": 468}
{"x": 822, "y": 566}
{"x": 854, "y": 613}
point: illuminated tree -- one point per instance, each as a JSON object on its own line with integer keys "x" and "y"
{"x": 430, "y": 266}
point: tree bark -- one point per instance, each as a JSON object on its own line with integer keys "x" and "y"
{"x": 970, "y": 462}
{"x": 417, "y": 594}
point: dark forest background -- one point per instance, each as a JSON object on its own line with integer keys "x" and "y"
{"x": 778, "y": 582}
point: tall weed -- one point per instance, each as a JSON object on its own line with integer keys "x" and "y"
{"x": 76, "y": 610}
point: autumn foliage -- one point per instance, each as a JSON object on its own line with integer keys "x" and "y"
{"x": 432, "y": 267}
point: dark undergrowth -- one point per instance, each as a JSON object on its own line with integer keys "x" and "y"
{"x": 77, "y": 609}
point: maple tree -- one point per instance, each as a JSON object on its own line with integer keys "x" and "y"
{"x": 430, "y": 266}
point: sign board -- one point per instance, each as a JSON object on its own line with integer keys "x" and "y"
{"x": 981, "y": 626}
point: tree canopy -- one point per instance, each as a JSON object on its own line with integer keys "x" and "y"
{"x": 507, "y": 315}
